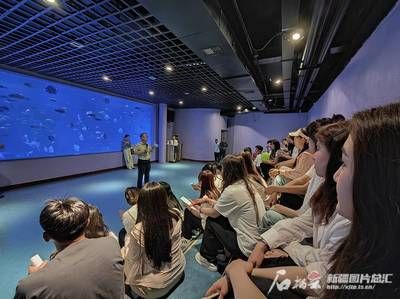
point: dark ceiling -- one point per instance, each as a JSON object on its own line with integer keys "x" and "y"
{"x": 131, "y": 41}
{"x": 120, "y": 39}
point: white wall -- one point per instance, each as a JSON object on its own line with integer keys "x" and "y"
{"x": 253, "y": 128}
{"x": 197, "y": 130}
{"x": 371, "y": 78}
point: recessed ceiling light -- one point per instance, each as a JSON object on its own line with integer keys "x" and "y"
{"x": 278, "y": 81}
{"x": 204, "y": 89}
{"x": 270, "y": 100}
{"x": 152, "y": 78}
{"x": 254, "y": 108}
{"x": 239, "y": 107}
{"x": 50, "y": 1}
{"x": 106, "y": 78}
{"x": 296, "y": 36}
{"x": 180, "y": 102}
{"x": 187, "y": 93}
{"x": 169, "y": 68}
{"x": 151, "y": 92}
{"x": 246, "y": 110}
{"x": 76, "y": 45}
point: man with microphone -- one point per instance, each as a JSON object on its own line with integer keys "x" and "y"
{"x": 143, "y": 151}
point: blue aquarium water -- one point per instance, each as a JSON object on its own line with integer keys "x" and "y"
{"x": 41, "y": 118}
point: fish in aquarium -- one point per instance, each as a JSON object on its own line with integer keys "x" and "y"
{"x": 28, "y": 84}
{"x": 61, "y": 110}
{"x": 51, "y": 137}
{"x": 4, "y": 109}
{"x": 51, "y": 89}
{"x": 17, "y": 96}
{"x": 2, "y": 86}
{"x": 76, "y": 147}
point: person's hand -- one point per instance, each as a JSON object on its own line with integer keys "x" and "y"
{"x": 273, "y": 172}
{"x": 270, "y": 189}
{"x": 196, "y": 202}
{"x": 257, "y": 255}
{"x": 240, "y": 265}
{"x": 278, "y": 208}
{"x": 221, "y": 286}
{"x": 208, "y": 200}
{"x": 272, "y": 199}
{"x": 33, "y": 269}
{"x": 275, "y": 253}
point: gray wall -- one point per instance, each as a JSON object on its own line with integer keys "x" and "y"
{"x": 24, "y": 171}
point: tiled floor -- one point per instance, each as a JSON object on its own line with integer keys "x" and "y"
{"x": 20, "y": 232}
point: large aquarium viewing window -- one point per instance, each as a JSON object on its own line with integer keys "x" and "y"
{"x": 41, "y": 118}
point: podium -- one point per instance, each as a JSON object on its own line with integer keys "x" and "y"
{"x": 174, "y": 152}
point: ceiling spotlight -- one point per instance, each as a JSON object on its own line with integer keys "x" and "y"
{"x": 152, "y": 78}
{"x": 239, "y": 108}
{"x": 278, "y": 81}
{"x": 254, "y": 108}
{"x": 296, "y": 36}
{"x": 106, "y": 78}
{"x": 204, "y": 89}
{"x": 270, "y": 100}
{"x": 151, "y": 92}
{"x": 246, "y": 110}
{"x": 187, "y": 93}
{"x": 169, "y": 68}
{"x": 50, "y": 1}
{"x": 180, "y": 102}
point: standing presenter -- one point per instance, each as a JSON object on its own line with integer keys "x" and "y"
{"x": 143, "y": 151}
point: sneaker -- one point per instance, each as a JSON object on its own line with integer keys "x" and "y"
{"x": 203, "y": 261}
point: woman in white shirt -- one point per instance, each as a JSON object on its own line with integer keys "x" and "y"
{"x": 233, "y": 220}
{"x": 154, "y": 261}
{"x": 281, "y": 248}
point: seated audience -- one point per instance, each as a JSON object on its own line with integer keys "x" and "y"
{"x": 257, "y": 150}
{"x": 216, "y": 170}
{"x": 154, "y": 261}
{"x": 294, "y": 200}
{"x": 193, "y": 220}
{"x": 369, "y": 195}
{"x": 96, "y": 227}
{"x": 274, "y": 157}
{"x": 81, "y": 267}
{"x": 233, "y": 220}
{"x": 281, "y": 248}
{"x": 287, "y": 171}
{"x": 173, "y": 202}
{"x": 129, "y": 216}
{"x": 255, "y": 178}
{"x": 248, "y": 150}
{"x": 326, "y": 157}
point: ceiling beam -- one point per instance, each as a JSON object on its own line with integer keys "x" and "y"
{"x": 290, "y": 19}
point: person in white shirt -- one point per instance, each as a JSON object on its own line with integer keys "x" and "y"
{"x": 281, "y": 249}
{"x": 233, "y": 220}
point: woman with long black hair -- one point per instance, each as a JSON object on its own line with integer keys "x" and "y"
{"x": 233, "y": 220}
{"x": 154, "y": 261}
{"x": 368, "y": 193}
